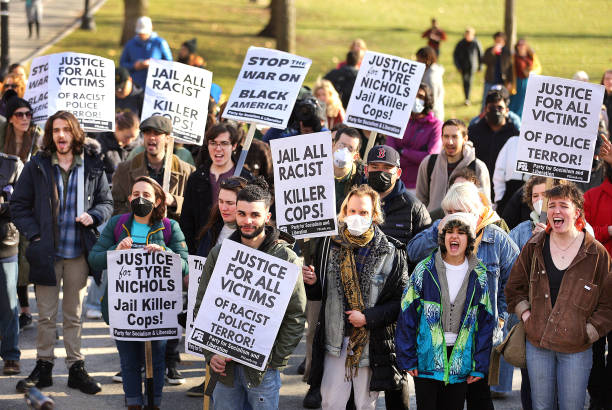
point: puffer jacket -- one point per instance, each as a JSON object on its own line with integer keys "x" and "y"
{"x": 278, "y": 244}
{"x": 388, "y": 273}
{"x": 420, "y": 334}
{"x": 583, "y": 310}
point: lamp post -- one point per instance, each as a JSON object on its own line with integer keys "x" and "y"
{"x": 4, "y": 36}
{"x": 87, "y": 21}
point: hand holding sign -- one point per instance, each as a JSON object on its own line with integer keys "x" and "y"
{"x": 217, "y": 363}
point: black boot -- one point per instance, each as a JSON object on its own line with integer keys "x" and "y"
{"x": 40, "y": 377}
{"x": 312, "y": 400}
{"x": 79, "y": 379}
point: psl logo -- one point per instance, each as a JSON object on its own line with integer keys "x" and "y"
{"x": 522, "y": 166}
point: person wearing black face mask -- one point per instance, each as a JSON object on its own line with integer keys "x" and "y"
{"x": 491, "y": 133}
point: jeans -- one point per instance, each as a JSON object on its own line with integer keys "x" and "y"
{"x": 262, "y": 397}
{"x": 9, "y": 310}
{"x": 132, "y": 356}
{"x": 565, "y": 374}
{"x": 95, "y": 293}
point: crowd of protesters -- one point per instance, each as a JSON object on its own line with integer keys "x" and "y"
{"x": 441, "y": 248}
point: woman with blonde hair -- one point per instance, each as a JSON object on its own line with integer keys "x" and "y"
{"x": 325, "y": 92}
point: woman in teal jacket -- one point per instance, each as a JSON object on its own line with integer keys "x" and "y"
{"x": 145, "y": 228}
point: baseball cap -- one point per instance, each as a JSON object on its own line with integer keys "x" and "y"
{"x": 121, "y": 76}
{"x": 157, "y": 123}
{"x": 384, "y": 153}
{"x": 144, "y": 25}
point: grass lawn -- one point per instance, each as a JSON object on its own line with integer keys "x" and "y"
{"x": 567, "y": 35}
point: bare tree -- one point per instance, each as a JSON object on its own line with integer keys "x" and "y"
{"x": 510, "y": 23}
{"x": 132, "y": 9}
{"x": 285, "y": 29}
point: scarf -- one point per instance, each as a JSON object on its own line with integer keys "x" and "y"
{"x": 350, "y": 283}
{"x": 487, "y": 217}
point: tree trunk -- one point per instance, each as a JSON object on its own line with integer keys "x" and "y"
{"x": 270, "y": 29}
{"x": 285, "y": 28}
{"x": 510, "y": 23}
{"x": 132, "y": 9}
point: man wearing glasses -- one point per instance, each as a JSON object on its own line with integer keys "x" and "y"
{"x": 156, "y": 133}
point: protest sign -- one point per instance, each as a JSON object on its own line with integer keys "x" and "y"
{"x": 196, "y": 265}
{"x": 144, "y": 294}
{"x": 82, "y": 84}
{"x": 559, "y": 128}
{"x": 384, "y": 94}
{"x": 244, "y": 304}
{"x": 179, "y": 92}
{"x": 304, "y": 186}
{"x": 267, "y": 87}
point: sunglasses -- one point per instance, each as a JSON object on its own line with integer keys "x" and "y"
{"x": 26, "y": 114}
{"x": 10, "y": 86}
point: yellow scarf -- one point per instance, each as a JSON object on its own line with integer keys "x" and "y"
{"x": 487, "y": 217}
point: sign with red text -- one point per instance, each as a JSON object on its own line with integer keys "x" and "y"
{"x": 244, "y": 304}
{"x": 559, "y": 128}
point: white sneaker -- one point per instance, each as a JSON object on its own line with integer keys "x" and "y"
{"x": 93, "y": 314}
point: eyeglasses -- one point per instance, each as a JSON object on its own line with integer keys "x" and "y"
{"x": 23, "y": 114}
{"x": 10, "y": 86}
{"x": 233, "y": 182}
{"x": 222, "y": 144}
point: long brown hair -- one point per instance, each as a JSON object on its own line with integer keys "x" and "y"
{"x": 78, "y": 135}
{"x": 10, "y": 141}
{"x": 159, "y": 212}
{"x": 234, "y": 184}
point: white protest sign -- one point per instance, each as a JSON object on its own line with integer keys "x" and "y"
{"x": 179, "y": 92}
{"x": 267, "y": 87}
{"x": 244, "y": 304}
{"x": 196, "y": 266}
{"x": 82, "y": 84}
{"x": 304, "y": 186}
{"x": 144, "y": 294}
{"x": 384, "y": 94}
{"x": 559, "y": 128}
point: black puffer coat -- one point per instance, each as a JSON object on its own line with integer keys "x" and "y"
{"x": 405, "y": 215}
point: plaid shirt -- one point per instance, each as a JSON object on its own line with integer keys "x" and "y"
{"x": 69, "y": 245}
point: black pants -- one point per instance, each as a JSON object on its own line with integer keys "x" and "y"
{"x": 394, "y": 399}
{"x": 600, "y": 379}
{"x": 22, "y": 294}
{"x": 525, "y": 390}
{"x": 172, "y": 353}
{"x": 434, "y": 395}
{"x": 479, "y": 395}
{"x": 466, "y": 77}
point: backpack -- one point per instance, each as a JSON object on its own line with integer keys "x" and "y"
{"x": 431, "y": 163}
{"x": 126, "y": 217}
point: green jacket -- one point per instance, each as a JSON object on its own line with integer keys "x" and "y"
{"x": 291, "y": 329}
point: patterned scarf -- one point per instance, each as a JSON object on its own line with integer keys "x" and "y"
{"x": 350, "y": 283}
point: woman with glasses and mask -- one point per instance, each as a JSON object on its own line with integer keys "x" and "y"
{"x": 215, "y": 162}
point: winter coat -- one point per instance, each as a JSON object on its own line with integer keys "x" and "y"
{"x": 468, "y": 56}
{"x": 489, "y": 58}
{"x": 497, "y": 251}
{"x": 432, "y": 191}
{"x": 133, "y": 102}
{"x": 136, "y": 49}
{"x": 387, "y": 273}
{"x": 10, "y": 169}
{"x": 583, "y": 310}
{"x": 278, "y": 244}
{"x": 488, "y": 143}
{"x": 420, "y": 334}
{"x": 113, "y": 153}
{"x": 405, "y": 216}
{"x": 598, "y": 212}
{"x": 35, "y": 207}
{"x": 422, "y": 137}
{"x": 128, "y": 171}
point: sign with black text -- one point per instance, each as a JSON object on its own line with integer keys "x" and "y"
{"x": 384, "y": 94}
{"x": 196, "y": 266}
{"x": 559, "y": 128}
{"x": 244, "y": 304}
{"x": 82, "y": 84}
{"x": 179, "y": 92}
{"x": 304, "y": 187}
{"x": 144, "y": 294}
{"x": 267, "y": 87}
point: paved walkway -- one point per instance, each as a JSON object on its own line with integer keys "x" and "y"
{"x": 60, "y": 18}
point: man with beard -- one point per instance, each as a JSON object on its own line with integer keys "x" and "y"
{"x": 241, "y": 384}
{"x": 44, "y": 209}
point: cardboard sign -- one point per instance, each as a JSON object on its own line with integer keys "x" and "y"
{"x": 244, "y": 304}
{"x": 179, "y": 92}
{"x": 267, "y": 87}
{"x": 144, "y": 294}
{"x": 304, "y": 187}
{"x": 559, "y": 128}
{"x": 384, "y": 94}
{"x": 196, "y": 266}
{"x": 82, "y": 84}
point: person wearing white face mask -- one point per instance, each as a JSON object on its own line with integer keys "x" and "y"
{"x": 421, "y": 138}
{"x": 348, "y": 172}
{"x": 359, "y": 280}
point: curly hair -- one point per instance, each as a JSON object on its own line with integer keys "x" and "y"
{"x": 463, "y": 229}
{"x": 567, "y": 190}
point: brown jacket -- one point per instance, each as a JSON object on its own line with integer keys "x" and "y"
{"x": 128, "y": 171}
{"x": 583, "y": 310}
